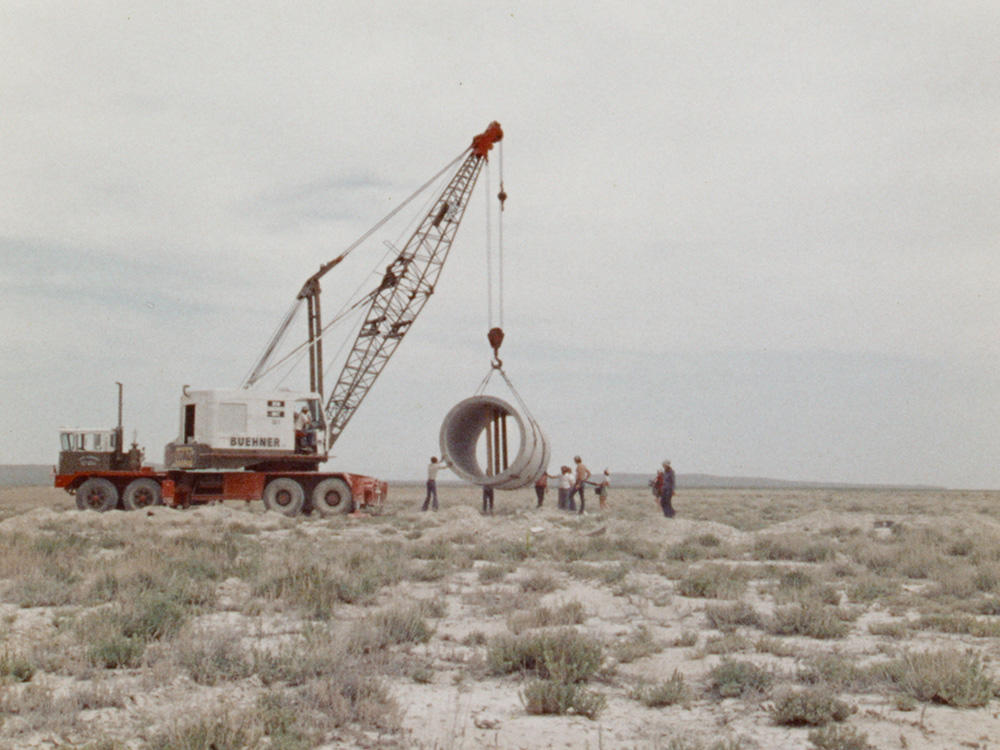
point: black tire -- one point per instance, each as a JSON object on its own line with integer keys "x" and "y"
{"x": 142, "y": 493}
{"x": 285, "y": 496}
{"x": 97, "y": 494}
{"x": 332, "y": 495}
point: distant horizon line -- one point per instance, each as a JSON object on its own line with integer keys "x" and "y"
{"x": 689, "y": 480}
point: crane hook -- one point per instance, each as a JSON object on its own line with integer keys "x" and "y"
{"x": 495, "y": 337}
{"x": 502, "y": 195}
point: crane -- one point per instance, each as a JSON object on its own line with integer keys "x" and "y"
{"x": 254, "y": 443}
{"x": 392, "y": 307}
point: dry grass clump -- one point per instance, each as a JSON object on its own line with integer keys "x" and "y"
{"x": 838, "y": 737}
{"x": 565, "y": 655}
{"x": 670, "y": 692}
{"x": 540, "y": 582}
{"x": 739, "y": 679}
{"x": 810, "y": 707}
{"x": 571, "y": 613}
{"x": 559, "y": 660}
{"x": 800, "y": 547}
{"x": 15, "y": 667}
{"x": 636, "y": 645}
{"x": 728, "y": 617}
{"x": 811, "y": 618}
{"x": 316, "y": 587}
{"x": 713, "y": 582}
{"x": 556, "y": 697}
{"x": 948, "y": 677}
{"x": 391, "y": 626}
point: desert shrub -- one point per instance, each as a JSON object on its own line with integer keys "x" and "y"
{"x": 948, "y": 677}
{"x": 295, "y": 662}
{"x": 778, "y": 646}
{"x": 810, "y": 707}
{"x": 838, "y": 737}
{"x": 540, "y": 582}
{"x": 712, "y": 582}
{"x": 563, "y": 655}
{"x": 438, "y": 549}
{"x": 116, "y": 651}
{"x": 667, "y": 693}
{"x": 961, "y": 624}
{"x": 836, "y": 672}
{"x": 636, "y": 645}
{"x": 389, "y": 627}
{"x": 493, "y": 573}
{"x": 557, "y": 697}
{"x": 728, "y": 643}
{"x": 571, "y": 613}
{"x": 809, "y": 618}
{"x": 212, "y": 658}
{"x": 15, "y": 668}
{"x": 739, "y": 679}
{"x": 224, "y": 731}
{"x": 353, "y": 695}
{"x": 799, "y": 547}
{"x": 727, "y": 617}
{"x": 871, "y": 588}
{"x": 686, "y": 639}
{"x": 889, "y": 629}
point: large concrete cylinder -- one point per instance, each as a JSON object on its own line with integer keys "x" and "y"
{"x": 464, "y": 429}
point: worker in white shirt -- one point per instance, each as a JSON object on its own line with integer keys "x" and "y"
{"x": 432, "y": 472}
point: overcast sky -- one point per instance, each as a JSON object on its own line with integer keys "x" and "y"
{"x": 756, "y": 238}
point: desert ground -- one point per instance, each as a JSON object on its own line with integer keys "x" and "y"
{"x": 836, "y": 620}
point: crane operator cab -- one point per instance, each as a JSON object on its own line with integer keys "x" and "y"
{"x": 225, "y": 429}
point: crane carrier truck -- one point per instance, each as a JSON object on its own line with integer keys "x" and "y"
{"x": 252, "y": 443}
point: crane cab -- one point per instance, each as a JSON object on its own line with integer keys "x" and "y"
{"x": 248, "y": 429}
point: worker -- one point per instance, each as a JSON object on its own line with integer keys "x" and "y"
{"x": 301, "y": 425}
{"x": 541, "y": 485}
{"x": 432, "y": 471}
{"x": 565, "y": 486}
{"x": 487, "y": 500}
{"x": 582, "y": 475}
{"x": 667, "y": 490}
{"x": 602, "y": 489}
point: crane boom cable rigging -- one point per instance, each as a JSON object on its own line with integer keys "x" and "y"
{"x": 311, "y": 285}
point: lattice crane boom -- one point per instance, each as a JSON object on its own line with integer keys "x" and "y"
{"x": 407, "y": 284}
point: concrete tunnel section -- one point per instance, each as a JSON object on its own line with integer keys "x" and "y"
{"x": 486, "y": 420}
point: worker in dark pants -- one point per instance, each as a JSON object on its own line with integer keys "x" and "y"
{"x": 487, "y": 500}
{"x": 432, "y": 471}
{"x": 667, "y": 490}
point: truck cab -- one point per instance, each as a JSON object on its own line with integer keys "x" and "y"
{"x": 95, "y": 450}
{"x": 259, "y": 430}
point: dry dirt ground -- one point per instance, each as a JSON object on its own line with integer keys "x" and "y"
{"x": 754, "y": 619}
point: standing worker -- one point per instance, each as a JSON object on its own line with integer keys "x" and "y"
{"x": 487, "y": 500}
{"x": 602, "y": 489}
{"x": 667, "y": 490}
{"x": 582, "y": 475}
{"x": 432, "y": 472}
{"x": 565, "y": 485}
{"x": 541, "y": 485}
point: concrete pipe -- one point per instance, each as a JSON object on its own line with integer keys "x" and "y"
{"x": 471, "y": 431}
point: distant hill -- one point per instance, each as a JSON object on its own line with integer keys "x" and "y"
{"x": 25, "y": 475}
{"x": 709, "y": 481}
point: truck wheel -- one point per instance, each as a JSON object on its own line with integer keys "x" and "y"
{"x": 141, "y": 493}
{"x": 332, "y": 495}
{"x": 285, "y": 496}
{"x": 96, "y": 494}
